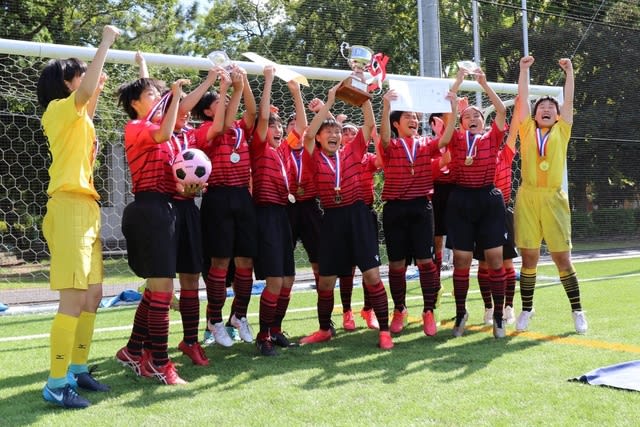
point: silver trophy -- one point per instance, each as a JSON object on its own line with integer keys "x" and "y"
{"x": 219, "y": 58}
{"x": 353, "y": 89}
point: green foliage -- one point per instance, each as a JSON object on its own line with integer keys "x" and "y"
{"x": 582, "y": 226}
{"x": 612, "y": 222}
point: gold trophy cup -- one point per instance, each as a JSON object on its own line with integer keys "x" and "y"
{"x": 353, "y": 89}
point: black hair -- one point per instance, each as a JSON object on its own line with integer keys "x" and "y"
{"x": 328, "y": 123}
{"x": 394, "y": 116}
{"x": 205, "y": 102}
{"x": 432, "y": 121}
{"x": 291, "y": 118}
{"x": 51, "y": 84}
{"x": 129, "y": 92}
{"x": 274, "y": 118}
{"x": 545, "y": 98}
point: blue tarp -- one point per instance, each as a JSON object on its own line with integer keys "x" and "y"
{"x": 128, "y": 295}
{"x": 623, "y": 375}
{"x": 3, "y": 307}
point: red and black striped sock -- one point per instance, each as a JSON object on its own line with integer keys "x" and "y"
{"x": 242, "y": 287}
{"x": 159, "y": 326}
{"x": 380, "y": 304}
{"x": 190, "y": 314}
{"x": 398, "y": 287}
{"x": 485, "y": 286}
{"x": 268, "y": 304}
{"x": 438, "y": 261}
{"x": 140, "y": 329}
{"x": 216, "y": 293}
{"x": 497, "y": 282}
{"x": 283, "y": 305}
{"x": 429, "y": 285}
{"x": 460, "y": 289}
{"x": 367, "y": 299}
{"x": 325, "y": 307}
{"x": 346, "y": 290}
{"x": 511, "y": 286}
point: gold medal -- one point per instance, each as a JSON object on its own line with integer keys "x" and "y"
{"x": 338, "y": 198}
{"x": 300, "y": 191}
{"x": 291, "y": 197}
{"x": 412, "y": 171}
{"x": 544, "y": 166}
{"x": 468, "y": 160}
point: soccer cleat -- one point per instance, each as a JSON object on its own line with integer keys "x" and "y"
{"x": 488, "y": 316}
{"x": 243, "y": 327}
{"x": 194, "y": 352}
{"x": 370, "y": 317}
{"x": 266, "y": 348}
{"x": 233, "y": 333}
{"x": 580, "y": 321}
{"x": 208, "y": 338}
{"x": 458, "y": 327}
{"x": 129, "y": 360}
{"x": 499, "y": 328}
{"x": 65, "y": 396}
{"x": 318, "y": 336}
{"x": 429, "y": 326}
{"x": 166, "y": 374}
{"x": 348, "y": 324}
{"x": 280, "y": 339}
{"x": 85, "y": 381}
{"x": 384, "y": 340}
{"x": 522, "y": 323}
{"x": 509, "y": 315}
{"x": 398, "y": 320}
{"x": 220, "y": 334}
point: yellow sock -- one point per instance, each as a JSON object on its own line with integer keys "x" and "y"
{"x": 84, "y": 336}
{"x": 63, "y": 331}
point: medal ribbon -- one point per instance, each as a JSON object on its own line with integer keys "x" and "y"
{"x": 283, "y": 170}
{"x": 542, "y": 142}
{"x": 298, "y": 162}
{"x": 472, "y": 141}
{"x": 335, "y": 170}
{"x": 411, "y": 155}
{"x": 160, "y": 106}
{"x": 238, "y": 138}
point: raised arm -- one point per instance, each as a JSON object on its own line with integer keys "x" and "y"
{"x": 93, "y": 101}
{"x": 566, "y": 110}
{"x": 523, "y": 87}
{"x": 265, "y": 103}
{"x": 188, "y": 102}
{"x": 450, "y": 119}
{"x": 217, "y": 127}
{"x": 501, "y": 110}
{"x": 143, "y": 71}
{"x": 250, "y": 110}
{"x": 369, "y": 126}
{"x": 169, "y": 119}
{"x": 385, "y": 125}
{"x": 298, "y": 103}
{"x": 237, "y": 81}
{"x": 91, "y": 78}
{"x": 514, "y": 125}
{"x": 321, "y": 115}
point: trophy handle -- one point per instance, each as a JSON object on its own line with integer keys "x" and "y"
{"x": 344, "y": 47}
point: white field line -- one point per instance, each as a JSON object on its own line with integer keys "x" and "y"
{"x": 306, "y": 309}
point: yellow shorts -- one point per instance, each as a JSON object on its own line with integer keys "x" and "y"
{"x": 542, "y": 213}
{"x": 71, "y": 227}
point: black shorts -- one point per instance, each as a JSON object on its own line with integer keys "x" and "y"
{"x": 275, "y": 248}
{"x": 149, "y": 226}
{"x": 509, "y": 248}
{"x": 348, "y": 237}
{"x": 408, "y": 229}
{"x": 439, "y": 200}
{"x": 189, "y": 237}
{"x": 229, "y": 225}
{"x": 476, "y": 218}
{"x": 305, "y": 218}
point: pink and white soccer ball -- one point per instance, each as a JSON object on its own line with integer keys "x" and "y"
{"x": 192, "y": 166}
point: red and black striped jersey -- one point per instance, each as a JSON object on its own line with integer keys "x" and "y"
{"x": 338, "y": 176}
{"x": 369, "y": 168}
{"x": 504, "y": 172}
{"x": 473, "y": 158}
{"x": 270, "y": 171}
{"x": 303, "y": 185}
{"x": 149, "y": 161}
{"x": 407, "y": 167}
{"x": 229, "y": 155}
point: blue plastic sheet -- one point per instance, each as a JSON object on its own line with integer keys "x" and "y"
{"x": 623, "y": 375}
